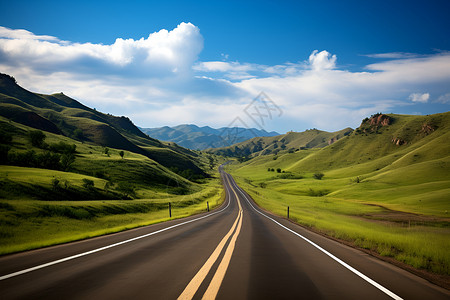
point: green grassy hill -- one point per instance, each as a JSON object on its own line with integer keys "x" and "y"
{"x": 69, "y": 172}
{"x": 281, "y": 144}
{"x": 60, "y": 114}
{"x": 385, "y": 188}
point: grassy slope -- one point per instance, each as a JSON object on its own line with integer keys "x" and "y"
{"x": 34, "y": 213}
{"x": 28, "y": 223}
{"x": 58, "y": 113}
{"x": 400, "y": 205}
{"x": 292, "y": 141}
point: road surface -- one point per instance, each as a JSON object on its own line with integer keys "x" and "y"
{"x": 235, "y": 252}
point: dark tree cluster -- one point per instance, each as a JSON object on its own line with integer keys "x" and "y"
{"x": 57, "y": 156}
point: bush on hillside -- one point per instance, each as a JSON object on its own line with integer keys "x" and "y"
{"x": 318, "y": 175}
{"x": 88, "y": 184}
{"x": 37, "y": 138}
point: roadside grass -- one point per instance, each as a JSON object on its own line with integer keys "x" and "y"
{"x": 423, "y": 247}
{"x": 31, "y": 224}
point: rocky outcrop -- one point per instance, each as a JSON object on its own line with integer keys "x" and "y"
{"x": 399, "y": 141}
{"x": 375, "y": 122}
{"x": 426, "y": 129}
{"x": 380, "y": 120}
{"x": 332, "y": 140}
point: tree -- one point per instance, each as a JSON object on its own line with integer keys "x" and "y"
{"x": 37, "y": 138}
{"x": 78, "y": 134}
{"x": 67, "y": 160}
{"x": 121, "y": 153}
{"x": 278, "y": 170}
{"x": 107, "y": 151}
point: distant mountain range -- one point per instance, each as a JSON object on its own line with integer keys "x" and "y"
{"x": 200, "y": 138}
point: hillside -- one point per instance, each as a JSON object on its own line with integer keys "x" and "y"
{"x": 60, "y": 114}
{"x": 384, "y": 188}
{"x": 200, "y": 138}
{"x": 69, "y": 172}
{"x": 280, "y": 144}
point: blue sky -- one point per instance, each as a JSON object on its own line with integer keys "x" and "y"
{"x": 325, "y": 65}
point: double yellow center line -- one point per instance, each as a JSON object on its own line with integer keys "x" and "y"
{"x": 216, "y": 281}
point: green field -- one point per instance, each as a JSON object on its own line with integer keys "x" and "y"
{"x": 393, "y": 200}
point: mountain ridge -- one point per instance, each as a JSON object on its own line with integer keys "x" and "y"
{"x": 200, "y": 138}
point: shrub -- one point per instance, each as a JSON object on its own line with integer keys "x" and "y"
{"x": 78, "y": 134}
{"x": 63, "y": 148}
{"x": 55, "y": 183}
{"x": 88, "y": 184}
{"x": 318, "y": 175}
{"x": 37, "y": 138}
{"x": 48, "y": 160}
{"x": 278, "y": 170}
{"x": 126, "y": 188}
{"x": 317, "y": 193}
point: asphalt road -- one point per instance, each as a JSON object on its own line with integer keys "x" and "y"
{"x": 235, "y": 252}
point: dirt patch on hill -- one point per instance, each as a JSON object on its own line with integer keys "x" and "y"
{"x": 404, "y": 218}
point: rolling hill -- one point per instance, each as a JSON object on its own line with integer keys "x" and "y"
{"x": 385, "y": 188}
{"x": 200, "y": 138}
{"x": 62, "y": 115}
{"x": 289, "y": 142}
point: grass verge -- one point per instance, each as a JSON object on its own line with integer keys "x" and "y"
{"x": 32, "y": 224}
{"x": 422, "y": 244}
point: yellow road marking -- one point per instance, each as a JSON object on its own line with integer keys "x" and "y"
{"x": 216, "y": 282}
{"x": 214, "y": 286}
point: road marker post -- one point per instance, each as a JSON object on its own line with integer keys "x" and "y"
{"x": 207, "y": 205}
{"x": 170, "y": 210}
{"x": 288, "y": 212}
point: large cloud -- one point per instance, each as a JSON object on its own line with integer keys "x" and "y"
{"x": 160, "y": 54}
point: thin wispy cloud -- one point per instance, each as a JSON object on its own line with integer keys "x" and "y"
{"x": 158, "y": 80}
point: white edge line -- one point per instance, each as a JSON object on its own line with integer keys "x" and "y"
{"x": 107, "y": 247}
{"x": 369, "y": 280}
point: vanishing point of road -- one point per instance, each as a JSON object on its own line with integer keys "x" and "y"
{"x": 236, "y": 252}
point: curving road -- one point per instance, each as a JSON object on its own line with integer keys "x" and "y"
{"x": 235, "y": 252}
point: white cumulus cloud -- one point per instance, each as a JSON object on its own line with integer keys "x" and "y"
{"x": 419, "y": 97}
{"x": 322, "y": 60}
{"x": 161, "y": 53}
